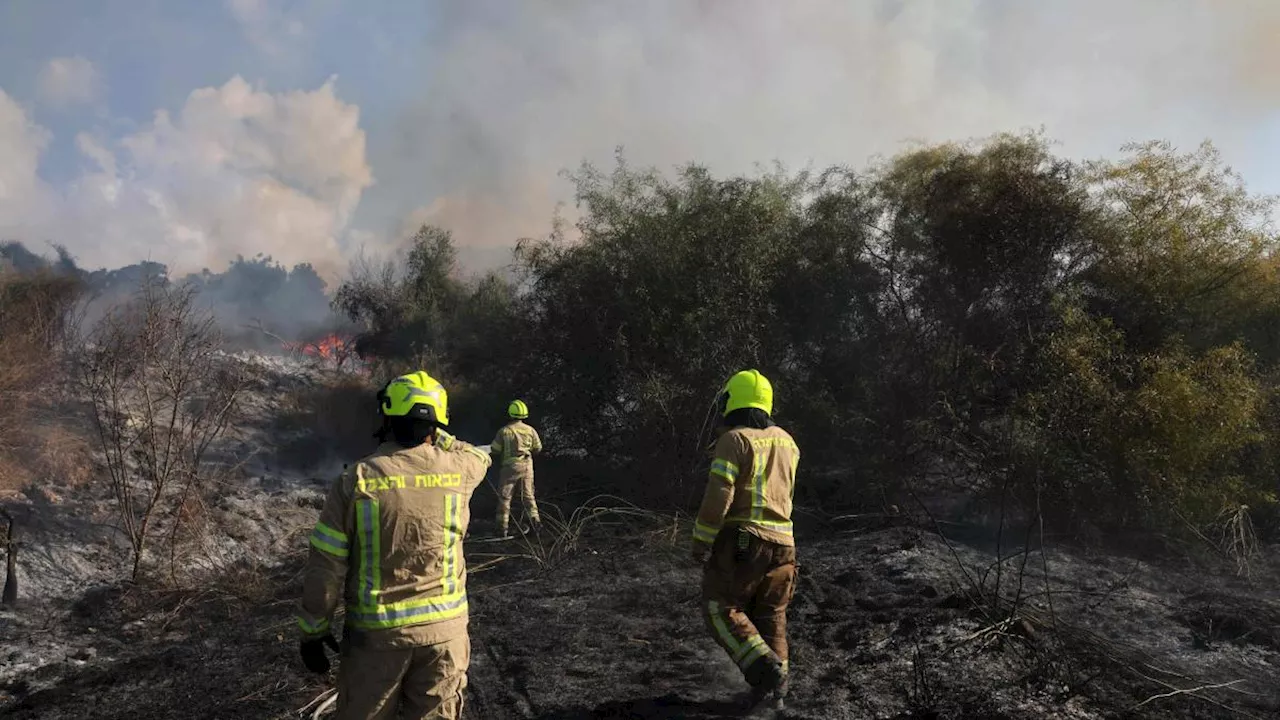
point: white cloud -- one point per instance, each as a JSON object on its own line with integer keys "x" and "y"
{"x": 24, "y": 199}
{"x": 68, "y": 81}
{"x": 236, "y": 170}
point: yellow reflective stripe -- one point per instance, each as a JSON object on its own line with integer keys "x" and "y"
{"x": 478, "y": 453}
{"x": 795, "y": 463}
{"x": 752, "y": 642}
{"x": 724, "y": 470}
{"x": 321, "y": 543}
{"x": 412, "y": 612}
{"x": 339, "y": 538}
{"x": 753, "y": 650}
{"x": 451, "y": 561}
{"x": 783, "y": 526}
{"x": 722, "y": 629}
{"x": 758, "y": 501}
{"x": 705, "y": 533}
{"x": 328, "y": 540}
{"x": 369, "y": 527}
{"x": 313, "y": 629}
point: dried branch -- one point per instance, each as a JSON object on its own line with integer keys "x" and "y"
{"x": 1187, "y": 691}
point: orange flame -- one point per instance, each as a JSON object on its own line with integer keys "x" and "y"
{"x": 331, "y": 348}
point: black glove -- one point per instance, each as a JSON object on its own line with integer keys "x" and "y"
{"x": 312, "y": 651}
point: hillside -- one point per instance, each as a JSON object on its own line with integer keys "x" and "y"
{"x": 600, "y": 619}
{"x": 1038, "y": 401}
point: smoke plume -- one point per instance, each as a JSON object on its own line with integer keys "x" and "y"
{"x": 515, "y": 92}
{"x": 494, "y": 98}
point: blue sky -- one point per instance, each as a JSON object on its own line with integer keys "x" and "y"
{"x": 151, "y": 54}
{"x": 308, "y": 129}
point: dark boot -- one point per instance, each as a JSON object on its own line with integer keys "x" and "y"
{"x": 768, "y": 680}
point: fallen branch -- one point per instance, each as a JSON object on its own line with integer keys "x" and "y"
{"x": 325, "y": 706}
{"x": 320, "y": 701}
{"x": 1187, "y": 691}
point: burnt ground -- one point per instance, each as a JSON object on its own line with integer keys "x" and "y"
{"x": 886, "y": 623}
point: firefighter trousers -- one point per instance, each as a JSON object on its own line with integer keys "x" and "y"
{"x": 423, "y": 683}
{"x": 747, "y": 585}
{"x": 509, "y": 478}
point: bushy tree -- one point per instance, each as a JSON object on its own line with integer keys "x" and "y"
{"x": 1097, "y": 336}
{"x": 418, "y": 313}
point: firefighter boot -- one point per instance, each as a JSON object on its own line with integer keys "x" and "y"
{"x": 768, "y": 680}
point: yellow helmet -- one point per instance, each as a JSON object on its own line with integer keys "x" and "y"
{"x": 747, "y": 389}
{"x": 416, "y": 395}
{"x": 518, "y": 410}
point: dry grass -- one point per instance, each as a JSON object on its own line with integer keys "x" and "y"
{"x": 35, "y": 444}
{"x": 334, "y": 419}
{"x": 560, "y": 536}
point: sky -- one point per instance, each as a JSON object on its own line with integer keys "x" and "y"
{"x": 192, "y": 131}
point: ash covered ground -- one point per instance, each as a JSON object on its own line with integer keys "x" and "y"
{"x": 893, "y": 618}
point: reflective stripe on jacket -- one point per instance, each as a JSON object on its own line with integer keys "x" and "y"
{"x": 751, "y": 484}
{"x": 517, "y": 442}
{"x": 389, "y": 545}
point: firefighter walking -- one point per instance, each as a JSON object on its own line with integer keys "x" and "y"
{"x": 389, "y": 546}
{"x": 743, "y": 537}
{"x": 514, "y": 447}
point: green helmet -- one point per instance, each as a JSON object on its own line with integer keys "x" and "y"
{"x": 416, "y": 395}
{"x": 518, "y": 410}
{"x": 747, "y": 389}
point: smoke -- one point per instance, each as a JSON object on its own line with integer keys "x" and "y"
{"x": 512, "y": 93}
{"x": 257, "y": 302}
{"x": 473, "y": 125}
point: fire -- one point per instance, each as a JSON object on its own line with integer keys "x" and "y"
{"x": 331, "y": 348}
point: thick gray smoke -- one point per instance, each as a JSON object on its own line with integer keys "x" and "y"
{"x": 257, "y": 302}
{"x": 472, "y": 124}
{"x": 513, "y": 92}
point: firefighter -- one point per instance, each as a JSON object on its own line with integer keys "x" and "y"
{"x": 514, "y": 447}
{"x": 389, "y": 546}
{"x": 743, "y": 540}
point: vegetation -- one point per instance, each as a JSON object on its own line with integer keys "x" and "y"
{"x": 36, "y": 312}
{"x": 1096, "y": 340}
{"x": 160, "y": 395}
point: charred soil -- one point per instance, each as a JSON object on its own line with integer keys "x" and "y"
{"x": 891, "y": 623}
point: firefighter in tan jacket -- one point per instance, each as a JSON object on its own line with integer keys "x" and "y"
{"x": 514, "y": 447}
{"x": 389, "y": 547}
{"x": 743, "y": 537}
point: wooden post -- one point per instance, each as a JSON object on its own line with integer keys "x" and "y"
{"x": 10, "y": 596}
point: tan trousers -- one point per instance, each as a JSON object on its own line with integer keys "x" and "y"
{"x": 423, "y": 683}
{"x": 745, "y": 594}
{"x": 509, "y": 478}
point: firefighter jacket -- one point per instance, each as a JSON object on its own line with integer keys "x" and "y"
{"x": 751, "y": 484}
{"x": 389, "y": 545}
{"x": 516, "y": 444}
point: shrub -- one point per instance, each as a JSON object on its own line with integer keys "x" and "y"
{"x": 333, "y": 420}
{"x": 161, "y": 394}
{"x": 36, "y": 316}
{"x": 1098, "y": 337}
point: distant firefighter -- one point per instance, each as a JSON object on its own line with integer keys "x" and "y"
{"x": 743, "y": 536}
{"x": 389, "y": 546}
{"x": 513, "y": 448}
